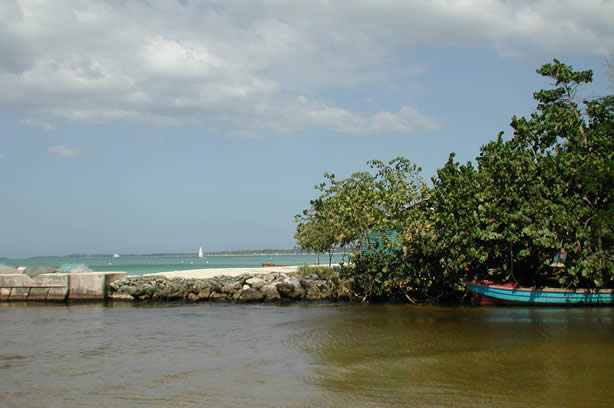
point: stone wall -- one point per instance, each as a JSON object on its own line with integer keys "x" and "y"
{"x": 57, "y": 287}
{"x": 271, "y": 287}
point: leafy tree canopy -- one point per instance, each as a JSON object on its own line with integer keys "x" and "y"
{"x": 546, "y": 191}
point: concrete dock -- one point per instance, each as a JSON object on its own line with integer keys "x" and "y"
{"x": 57, "y": 287}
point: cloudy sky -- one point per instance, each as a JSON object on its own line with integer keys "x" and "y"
{"x": 164, "y": 125}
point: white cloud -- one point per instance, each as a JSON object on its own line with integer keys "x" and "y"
{"x": 67, "y": 152}
{"x": 172, "y": 58}
{"x": 244, "y": 63}
{"x": 310, "y": 113}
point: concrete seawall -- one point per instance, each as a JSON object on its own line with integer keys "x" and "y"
{"x": 57, "y": 287}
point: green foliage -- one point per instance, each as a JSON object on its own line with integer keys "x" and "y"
{"x": 348, "y": 210}
{"x": 323, "y": 272}
{"x": 317, "y": 235}
{"x": 549, "y": 188}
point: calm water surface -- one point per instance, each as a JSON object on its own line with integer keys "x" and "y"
{"x": 202, "y": 355}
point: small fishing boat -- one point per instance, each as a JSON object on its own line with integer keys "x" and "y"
{"x": 490, "y": 293}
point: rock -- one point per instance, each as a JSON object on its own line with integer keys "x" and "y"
{"x": 170, "y": 292}
{"x": 312, "y": 291}
{"x": 298, "y": 291}
{"x": 148, "y": 289}
{"x": 120, "y": 296}
{"x": 204, "y": 293}
{"x": 130, "y": 290}
{"x": 271, "y": 287}
{"x": 284, "y": 288}
{"x": 270, "y": 293}
{"x": 231, "y": 288}
{"x": 218, "y": 296}
{"x": 251, "y": 295}
{"x": 256, "y": 283}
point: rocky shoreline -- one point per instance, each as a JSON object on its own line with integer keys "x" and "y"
{"x": 244, "y": 288}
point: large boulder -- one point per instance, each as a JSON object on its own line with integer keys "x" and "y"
{"x": 270, "y": 293}
{"x": 256, "y": 282}
{"x": 218, "y": 297}
{"x": 251, "y": 295}
{"x": 284, "y": 288}
{"x": 128, "y": 289}
{"x": 312, "y": 291}
{"x": 231, "y": 287}
{"x": 204, "y": 293}
{"x": 298, "y": 292}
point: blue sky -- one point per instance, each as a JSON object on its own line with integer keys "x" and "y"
{"x": 162, "y": 126}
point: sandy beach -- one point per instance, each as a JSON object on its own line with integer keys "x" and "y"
{"x": 210, "y": 273}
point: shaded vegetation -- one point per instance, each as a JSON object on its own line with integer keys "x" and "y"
{"x": 323, "y": 272}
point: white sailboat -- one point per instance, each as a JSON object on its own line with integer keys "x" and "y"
{"x": 200, "y": 253}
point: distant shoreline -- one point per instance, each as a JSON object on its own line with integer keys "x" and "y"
{"x": 280, "y": 252}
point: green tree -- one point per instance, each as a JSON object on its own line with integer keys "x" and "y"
{"x": 360, "y": 210}
{"x": 366, "y": 201}
{"x": 316, "y": 235}
{"x": 547, "y": 189}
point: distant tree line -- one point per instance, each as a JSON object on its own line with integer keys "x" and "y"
{"x": 536, "y": 209}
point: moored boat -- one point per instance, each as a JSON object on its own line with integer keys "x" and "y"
{"x": 489, "y": 293}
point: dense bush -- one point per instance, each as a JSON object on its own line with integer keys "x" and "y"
{"x": 545, "y": 191}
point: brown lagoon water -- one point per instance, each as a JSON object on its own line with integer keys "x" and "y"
{"x": 204, "y": 355}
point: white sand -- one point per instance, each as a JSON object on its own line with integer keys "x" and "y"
{"x": 210, "y": 273}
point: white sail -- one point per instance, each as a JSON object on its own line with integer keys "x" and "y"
{"x": 200, "y": 252}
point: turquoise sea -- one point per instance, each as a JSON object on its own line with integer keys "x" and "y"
{"x": 142, "y": 264}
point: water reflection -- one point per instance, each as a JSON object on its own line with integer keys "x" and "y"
{"x": 464, "y": 357}
{"x": 295, "y": 356}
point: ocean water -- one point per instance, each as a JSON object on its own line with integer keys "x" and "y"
{"x": 139, "y": 265}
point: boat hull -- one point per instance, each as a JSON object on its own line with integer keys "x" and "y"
{"x": 502, "y": 294}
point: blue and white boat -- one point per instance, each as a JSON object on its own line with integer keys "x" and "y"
{"x": 488, "y": 293}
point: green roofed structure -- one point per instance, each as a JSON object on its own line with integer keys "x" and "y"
{"x": 383, "y": 242}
